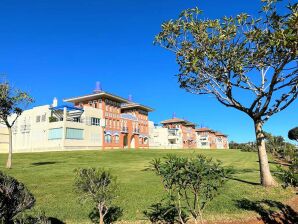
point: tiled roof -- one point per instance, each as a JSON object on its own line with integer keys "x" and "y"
{"x": 219, "y": 134}
{"x": 135, "y": 105}
{"x": 174, "y": 120}
{"x": 203, "y": 129}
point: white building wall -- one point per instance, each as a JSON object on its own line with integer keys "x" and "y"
{"x": 202, "y": 141}
{"x": 161, "y": 139}
{"x": 3, "y": 139}
{"x": 30, "y": 135}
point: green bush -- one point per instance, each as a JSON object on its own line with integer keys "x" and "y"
{"x": 99, "y": 186}
{"x": 15, "y": 198}
{"x": 191, "y": 183}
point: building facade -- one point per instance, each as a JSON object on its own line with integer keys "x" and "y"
{"x": 210, "y": 139}
{"x": 96, "y": 121}
{"x": 3, "y": 139}
{"x": 178, "y": 133}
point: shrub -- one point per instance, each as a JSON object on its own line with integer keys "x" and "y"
{"x": 191, "y": 183}
{"x": 99, "y": 186}
{"x": 164, "y": 214}
{"x": 289, "y": 176}
{"x": 14, "y": 198}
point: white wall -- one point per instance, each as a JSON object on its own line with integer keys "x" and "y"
{"x": 32, "y": 136}
{"x": 3, "y": 139}
{"x": 159, "y": 138}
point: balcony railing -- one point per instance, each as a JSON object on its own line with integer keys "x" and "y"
{"x": 124, "y": 129}
{"x": 136, "y": 131}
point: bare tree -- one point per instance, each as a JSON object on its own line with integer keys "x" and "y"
{"x": 246, "y": 63}
{"x": 12, "y": 104}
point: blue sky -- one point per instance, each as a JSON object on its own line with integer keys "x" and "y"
{"x": 60, "y": 48}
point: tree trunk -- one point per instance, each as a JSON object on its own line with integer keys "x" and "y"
{"x": 9, "y": 159}
{"x": 265, "y": 174}
{"x": 101, "y": 221}
{"x": 101, "y": 216}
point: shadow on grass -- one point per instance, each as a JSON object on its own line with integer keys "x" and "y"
{"x": 43, "y": 163}
{"x": 113, "y": 215}
{"x": 279, "y": 163}
{"x": 271, "y": 212}
{"x": 55, "y": 221}
{"x": 231, "y": 171}
{"x": 243, "y": 181}
{"x": 164, "y": 213}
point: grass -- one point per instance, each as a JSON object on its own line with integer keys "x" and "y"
{"x": 50, "y": 177}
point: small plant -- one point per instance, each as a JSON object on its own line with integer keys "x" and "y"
{"x": 191, "y": 183}
{"x": 289, "y": 176}
{"x": 164, "y": 213}
{"x": 14, "y": 198}
{"x": 99, "y": 186}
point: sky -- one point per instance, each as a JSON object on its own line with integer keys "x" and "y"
{"x": 60, "y": 48}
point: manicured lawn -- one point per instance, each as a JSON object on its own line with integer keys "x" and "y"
{"x": 50, "y": 178}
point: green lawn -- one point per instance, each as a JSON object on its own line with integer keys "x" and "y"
{"x": 50, "y": 177}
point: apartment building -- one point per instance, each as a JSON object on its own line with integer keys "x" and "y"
{"x": 125, "y": 122}
{"x": 210, "y": 139}
{"x": 100, "y": 120}
{"x": 179, "y": 133}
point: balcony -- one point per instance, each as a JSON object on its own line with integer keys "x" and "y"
{"x": 124, "y": 129}
{"x": 136, "y": 131}
{"x": 173, "y": 133}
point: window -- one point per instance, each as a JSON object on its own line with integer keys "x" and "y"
{"x": 95, "y": 103}
{"x": 116, "y": 139}
{"x": 95, "y": 121}
{"x": 55, "y": 133}
{"x": 108, "y": 138}
{"x": 43, "y": 118}
{"x": 145, "y": 140}
{"x": 37, "y": 119}
{"x": 73, "y": 133}
{"x": 77, "y": 119}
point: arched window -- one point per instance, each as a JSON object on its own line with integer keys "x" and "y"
{"x": 108, "y": 138}
{"x": 116, "y": 137}
{"x": 145, "y": 140}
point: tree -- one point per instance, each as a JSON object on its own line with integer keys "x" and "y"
{"x": 245, "y": 63}
{"x": 14, "y": 198}
{"x": 191, "y": 183}
{"x": 12, "y": 103}
{"x": 293, "y": 134}
{"x": 99, "y": 186}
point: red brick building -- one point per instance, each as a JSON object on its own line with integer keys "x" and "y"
{"x": 182, "y": 131}
{"x": 208, "y": 138}
{"x": 124, "y": 123}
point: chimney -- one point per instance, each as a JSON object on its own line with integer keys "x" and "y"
{"x": 97, "y": 87}
{"x": 174, "y": 115}
{"x": 55, "y": 102}
{"x": 130, "y": 98}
